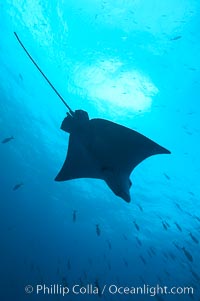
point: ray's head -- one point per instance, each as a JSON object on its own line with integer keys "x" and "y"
{"x": 75, "y": 122}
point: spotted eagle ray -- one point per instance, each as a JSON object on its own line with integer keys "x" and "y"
{"x": 101, "y": 149}
{"x": 104, "y": 150}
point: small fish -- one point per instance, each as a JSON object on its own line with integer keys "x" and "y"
{"x": 173, "y": 257}
{"x": 125, "y": 237}
{"x": 20, "y": 76}
{"x": 168, "y": 225}
{"x": 165, "y": 255}
{"x": 98, "y": 231}
{"x": 109, "y": 244}
{"x": 153, "y": 251}
{"x": 167, "y": 273}
{"x": 136, "y": 226}
{"x": 188, "y": 213}
{"x": 197, "y": 218}
{"x": 74, "y": 216}
{"x": 138, "y": 241}
{"x": 64, "y": 281}
{"x": 192, "y": 69}
{"x": 17, "y": 186}
{"x": 178, "y": 226}
{"x": 179, "y": 207}
{"x": 194, "y": 238}
{"x": 178, "y": 248}
{"x": 191, "y": 193}
{"x": 140, "y": 207}
{"x": 149, "y": 253}
{"x": 175, "y": 38}
{"x": 187, "y": 254}
{"x": 196, "y": 276}
{"x": 164, "y": 226}
{"x": 166, "y": 176}
{"x": 143, "y": 260}
{"x": 125, "y": 262}
{"x": 69, "y": 265}
{"x": 6, "y": 140}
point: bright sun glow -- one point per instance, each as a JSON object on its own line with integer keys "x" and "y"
{"x": 107, "y": 82}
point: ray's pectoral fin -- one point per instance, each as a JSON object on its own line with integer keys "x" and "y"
{"x": 118, "y": 182}
{"x": 78, "y": 163}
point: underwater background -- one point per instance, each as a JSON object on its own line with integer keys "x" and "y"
{"x": 134, "y": 62}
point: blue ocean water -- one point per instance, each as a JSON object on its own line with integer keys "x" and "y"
{"x": 132, "y": 62}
